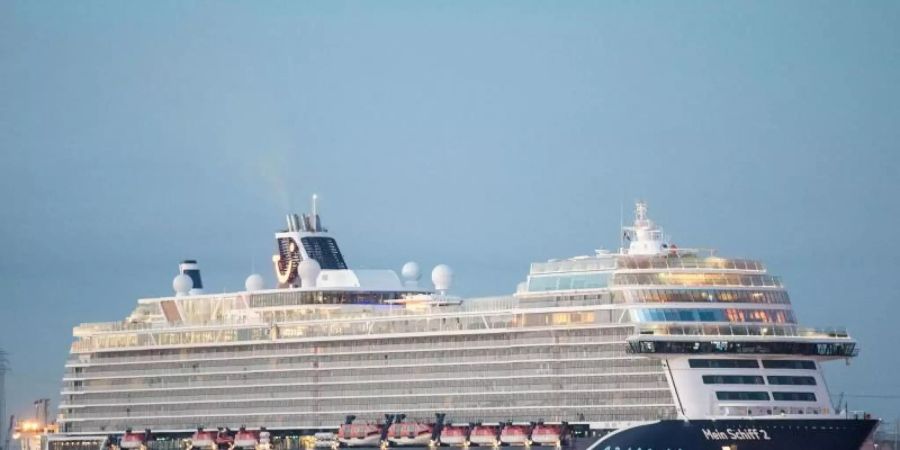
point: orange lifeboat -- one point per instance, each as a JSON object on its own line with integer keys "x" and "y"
{"x": 550, "y": 434}
{"x": 413, "y": 432}
{"x": 485, "y": 435}
{"x": 359, "y": 434}
{"x": 455, "y": 435}
{"x": 203, "y": 439}
{"x": 410, "y": 433}
{"x": 224, "y": 439}
{"x": 131, "y": 440}
{"x": 516, "y": 434}
{"x": 246, "y": 439}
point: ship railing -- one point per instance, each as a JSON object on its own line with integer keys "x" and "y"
{"x": 439, "y": 387}
{"x": 688, "y": 259}
{"x": 651, "y": 398}
{"x": 294, "y": 353}
{"x": 744, "y": 330}
{"x": 574, "y": 265}
{"x": 674, "y": 258}
{"x": 252, "y": 316}
{"x": 418, "y": 322}
{"x": 705, "y": 280}
{"x": 315, "y": 363}
{"x": 300, "y": 350}
{"x": 100, "y": 327}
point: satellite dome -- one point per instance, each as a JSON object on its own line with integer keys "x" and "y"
{"x": 182, "y": 284}
{"x": 309, "y": 271}
{"x": 254, "y": 282}
{"x": 442, "y": 277}
{"x": 411, "y": 271}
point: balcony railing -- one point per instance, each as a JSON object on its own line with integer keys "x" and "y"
{"x": 726, "y": 330}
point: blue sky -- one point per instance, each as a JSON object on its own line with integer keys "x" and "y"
{"x": 481, "y": 135}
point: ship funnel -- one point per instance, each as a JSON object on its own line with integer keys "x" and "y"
{"x": 190, "y": 268}
{"x": 293, "y": 222}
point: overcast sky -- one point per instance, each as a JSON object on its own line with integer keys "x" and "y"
{"x": 481, "y": 135}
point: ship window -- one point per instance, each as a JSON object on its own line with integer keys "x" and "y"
{"x": 716, "y": 315}
{"x": 732, "y": 379}
{"x": 784, "y": 379}
{"x": 738, "y": 395}
{"x": 795, "y": 396}
{"x": 571, "y": 281}
{"x": 709, "y": 296}
{"x": 723, "y": 363}
{"x": 788, "y": 364}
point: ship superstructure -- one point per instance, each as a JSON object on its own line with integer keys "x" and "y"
{"x": 652, "y": 333}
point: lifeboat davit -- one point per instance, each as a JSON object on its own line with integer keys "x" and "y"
{"x": 550, "y": 434}
{"x": 203, "y": 439}
{"x": 131, "y": 440}
{"x": 516, "y": 434}
{"x": 246, "y": 439}
{"x": 485, "y": 435}
{"x": 455, "y": 435}
{"x": 224, "y": 439}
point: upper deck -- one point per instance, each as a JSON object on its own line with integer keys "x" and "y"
{"x": 702, "y": 295}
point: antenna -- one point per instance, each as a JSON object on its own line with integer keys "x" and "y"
{"x": 4, "y": 367}
{"x": 316, "y": 222}
{"x": 621, "y": 225}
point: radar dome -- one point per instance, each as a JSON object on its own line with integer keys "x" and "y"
{"x": 255, "y": 282}
{"x": 182, "y": 284}
{"x": 442, "y": 277}
{"x": 411, "y": 271}
{"x": 309, "y": 272}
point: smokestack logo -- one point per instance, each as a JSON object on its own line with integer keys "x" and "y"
{"x": 286, "y": 262}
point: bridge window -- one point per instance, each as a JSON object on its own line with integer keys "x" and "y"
{"x": 745, "y": 396}
{"x": 732, "y": 379}
{"x": 795, "y": 396}
{"x": 784, "y": 379}
{"x": 788, "y": 364}
{"x": 723, "y": 363}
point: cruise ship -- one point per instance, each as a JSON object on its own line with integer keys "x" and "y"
{"x": 653, "y": 346}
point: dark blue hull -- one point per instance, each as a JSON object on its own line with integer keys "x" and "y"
{"x": 747, "y": 434}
